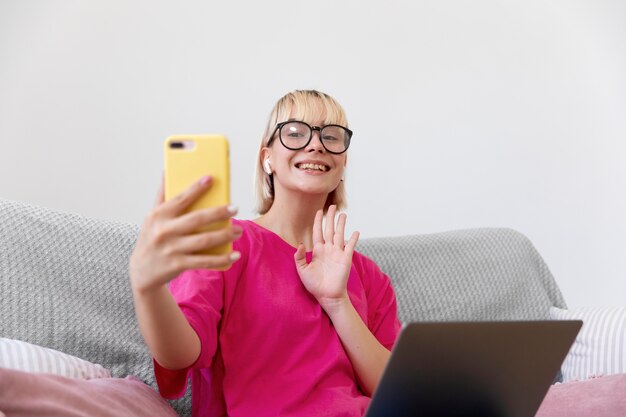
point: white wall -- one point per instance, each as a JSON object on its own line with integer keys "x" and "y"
{"x": 466, "y": 113}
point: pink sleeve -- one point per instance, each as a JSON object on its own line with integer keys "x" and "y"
{"x": 199, "y": 294}
{"x": 382, "y": 308}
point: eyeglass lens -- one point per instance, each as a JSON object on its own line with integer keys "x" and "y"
{"x": 295, "y": 135}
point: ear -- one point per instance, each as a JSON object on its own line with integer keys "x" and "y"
{"x": 265, "y": 161}
{"x": 265, "y": 153}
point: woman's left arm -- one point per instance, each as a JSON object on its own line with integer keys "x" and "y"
{"x": 326, "y": 278}
{"x": 367, "y": 354}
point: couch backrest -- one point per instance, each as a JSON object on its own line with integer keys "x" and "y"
{"x": 475, "y": 274}
{"x": 64, "y": 283}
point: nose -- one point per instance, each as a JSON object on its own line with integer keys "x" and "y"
{"x": 316, "y": 144}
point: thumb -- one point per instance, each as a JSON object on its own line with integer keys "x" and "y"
{"x": 300, "y": 257}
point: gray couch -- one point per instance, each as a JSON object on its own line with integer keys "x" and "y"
{"x": 64, "y": 283}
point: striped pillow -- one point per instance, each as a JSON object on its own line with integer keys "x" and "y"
{"x": 600, "y": 347}
{"x": 22, "y": 356}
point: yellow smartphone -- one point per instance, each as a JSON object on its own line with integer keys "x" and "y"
{"x": 190, "y": 157}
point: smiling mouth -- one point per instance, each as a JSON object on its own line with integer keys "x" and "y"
{"x": 313, "y": 167}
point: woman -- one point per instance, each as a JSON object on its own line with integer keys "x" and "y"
{"x": 300, "y": 324}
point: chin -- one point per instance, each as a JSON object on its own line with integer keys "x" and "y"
{"x": 315, "y": 189}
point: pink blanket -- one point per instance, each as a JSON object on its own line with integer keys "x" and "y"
{"x": 36, "y": 395}
{"x": 598, "y": 397}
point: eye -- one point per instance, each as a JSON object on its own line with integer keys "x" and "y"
{"x": 332, "y": 134}
{"x": 295, "y": 134}
{"x": 295, "y": 130}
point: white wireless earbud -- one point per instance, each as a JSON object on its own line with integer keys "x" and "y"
{"x": 266, "y": 165}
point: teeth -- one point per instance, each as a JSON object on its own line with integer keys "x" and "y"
{"x": 313, "y": 166}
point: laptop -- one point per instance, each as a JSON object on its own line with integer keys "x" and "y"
{"x": 463, "y": 369}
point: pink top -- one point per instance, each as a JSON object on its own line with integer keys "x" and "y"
{"x": 268, "y": 348}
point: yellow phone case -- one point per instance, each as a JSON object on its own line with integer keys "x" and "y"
{"x": 191, "y": 157}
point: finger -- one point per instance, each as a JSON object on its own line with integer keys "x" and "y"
{"x": 210, "y": 261}
{"x": 330, "y": 224}
{"x": 317, "y": 228}
{"x": 182, "y": 201}
{"x": 352, "y": 243}
{"x": 191, "y": 244}
{"x": 339, "y": 239}
{"x": 160, "y": 198}
{"x": 197, "y": 219}
{"x": 300, "y": 256}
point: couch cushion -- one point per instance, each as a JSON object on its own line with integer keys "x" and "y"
{"x": 600, "y": 347}
{"x": 23, "y": 356}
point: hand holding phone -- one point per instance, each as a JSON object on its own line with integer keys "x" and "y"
{"x": 169, "y": 243}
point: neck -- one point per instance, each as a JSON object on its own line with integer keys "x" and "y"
{"x": 291, "y": 217}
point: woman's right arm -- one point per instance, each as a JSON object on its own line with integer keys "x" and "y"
{"x": 168, "y": 244}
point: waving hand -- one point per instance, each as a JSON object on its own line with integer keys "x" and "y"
{"x": 326, "y": 276}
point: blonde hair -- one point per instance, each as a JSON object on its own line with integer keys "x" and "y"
{"x": 303, "y": 105}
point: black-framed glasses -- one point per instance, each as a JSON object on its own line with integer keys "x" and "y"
{"x": 296, "y": 135}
